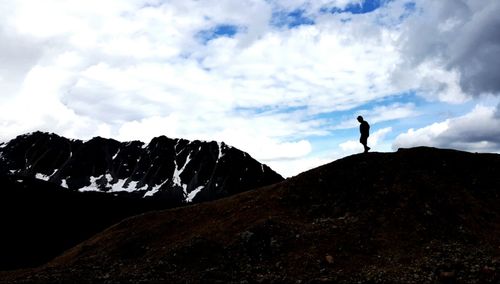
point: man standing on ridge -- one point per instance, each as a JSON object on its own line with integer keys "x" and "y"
{"x": 364, "y": 129}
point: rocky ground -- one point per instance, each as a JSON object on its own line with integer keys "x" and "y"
{"x": 420, "y": 215}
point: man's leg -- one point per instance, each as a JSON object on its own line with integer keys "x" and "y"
{"x": 364, "y": 141}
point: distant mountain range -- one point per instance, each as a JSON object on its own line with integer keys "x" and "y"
{"x": 177, "y": 170}
{"x": 56, "y": 192}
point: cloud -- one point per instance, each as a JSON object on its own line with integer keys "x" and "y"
{"x": 18, "y": 54}
{"x": 292, "y": 167}
{"x": 226, "y": 70}
{"x": 475, "y": 131}
{"x": 379, "y": 114}
{"x": 125, "y": 62}
{"x": 311, "y": 66}
{"x": 262, "y": 136}
{"x": 453, "y": 42}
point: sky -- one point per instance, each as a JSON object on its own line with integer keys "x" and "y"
{"x": 282, "y": 80}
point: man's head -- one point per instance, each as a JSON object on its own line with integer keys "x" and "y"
{"x": 360, "y": 118}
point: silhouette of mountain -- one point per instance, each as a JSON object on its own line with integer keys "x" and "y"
{"x": 57, "y": 192}
{"x": 420, "y": 215}
{"x": 178, "y": 170}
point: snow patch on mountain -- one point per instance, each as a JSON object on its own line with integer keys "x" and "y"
{"x": 155, "y": 189}
{"x": 116, "y": 154}
{"x": 132, "y": 186}
{"x": 220, "y": 145}
{"x": 93, "y": 185}
{"x": 107, "y": 183}
{"x": 193, "y": 193}
{"x": 176, "y": 178}
{"x": 42, "y": 176}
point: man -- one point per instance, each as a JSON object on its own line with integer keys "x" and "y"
{"x": 364, "y": 129}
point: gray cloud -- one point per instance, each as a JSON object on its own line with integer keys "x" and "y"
{"x": 475, "y": 131}
{"x": 105, "y": 104}
{"x": 130, "y": 70}
{"x": 463, "y": 135}
{"x": 462, "y": 35}
{"x": 18, "y": 54}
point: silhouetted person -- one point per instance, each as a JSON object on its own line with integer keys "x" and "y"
{"x": 364, "y": 129}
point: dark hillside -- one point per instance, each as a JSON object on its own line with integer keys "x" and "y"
{"x": 39, "y": 220}
{"x": 419, "y": 215}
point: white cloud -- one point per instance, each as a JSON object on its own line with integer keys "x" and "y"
{"x": 292, "y": 167}
{"x": 425, "y": 136}
{"x": 379, "y": 114}
{"x": 260, "y": 136}
{"x": 475, "y": 131}
{"x": 136, "y": 69}
{"x": 119, "y": 62}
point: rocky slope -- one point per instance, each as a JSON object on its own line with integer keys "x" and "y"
{"x": 420, "y": 215}
{"x": 174, "y": 169}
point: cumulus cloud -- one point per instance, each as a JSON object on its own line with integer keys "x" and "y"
{"x": 108, "y": 68}
{"x": 292, "y": 167}
{"x": 379, "y": 114}
{"x": 452, "y": 43}
{"x": 475, "y": 131}
{"x": 227, "y": 70}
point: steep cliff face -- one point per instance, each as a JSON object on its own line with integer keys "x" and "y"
{"x": 175, "y": 169}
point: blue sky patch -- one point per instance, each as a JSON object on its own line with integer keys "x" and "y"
{"x": 410, "y": 8}
{"x": 291, "y": 19}
{"x": 364, "y": 7}
{"x": 224, "y": 30}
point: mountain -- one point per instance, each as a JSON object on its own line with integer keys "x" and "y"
{"x": 177, "y": 170}
{"x": 420, "y": 215}
{"x": 56, "y": 192}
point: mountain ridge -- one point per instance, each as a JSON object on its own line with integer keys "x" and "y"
{"x": 173, "y": 168}
{"x": 420, "y": 215}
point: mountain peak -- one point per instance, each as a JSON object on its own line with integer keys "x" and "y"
{"x": 174, "y": 169}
